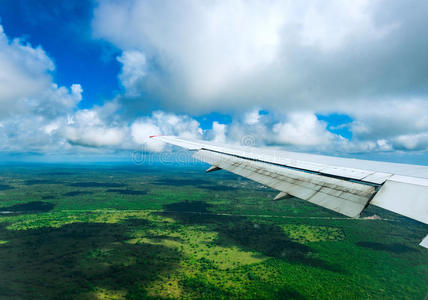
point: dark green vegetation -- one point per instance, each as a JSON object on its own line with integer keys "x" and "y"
{"x": 118, "y": 232}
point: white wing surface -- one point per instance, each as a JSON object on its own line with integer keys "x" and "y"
{"x": 344, "y": 185}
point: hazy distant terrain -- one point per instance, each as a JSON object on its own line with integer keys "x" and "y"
{"x": 136, "y": 232}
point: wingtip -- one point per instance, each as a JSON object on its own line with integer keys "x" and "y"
{"x": 153, "y": 136}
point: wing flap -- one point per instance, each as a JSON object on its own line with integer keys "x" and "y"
{"x": 345, "y": 197}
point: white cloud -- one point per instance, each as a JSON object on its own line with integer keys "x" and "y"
{"x": 305, "y": 132}
{"x": 26, "y": 84}
{"x": 302, "y": 129}
{"x": 95, "y": 137}
{"x": 33, "y": 108}
{"x": 141, "y": 133}
{"x": 328, "y": 25}
{"x": 87, "y": 128}
{"x": 363, "y": 58}
{"x": 411, "y": 141}
{"x": 389, "y": 119}
{"x": 281, "y": 55}
{"x": 133, "y": 71}
{"x": 76, "y": 91}
{"x": 252, "y": 117}
{"x": 38, "y": 115}
{"x": 366, "y": 59}
{"x": 219, "y": 132}
{"x": 200, "y": 45}
{"x": 161, "y": 123}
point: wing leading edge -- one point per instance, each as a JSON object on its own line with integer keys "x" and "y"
{"x": 346, "y": 186}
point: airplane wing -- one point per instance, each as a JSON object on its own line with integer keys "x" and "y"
{"x": 344, "y": 185}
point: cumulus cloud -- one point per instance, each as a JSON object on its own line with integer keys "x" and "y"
{"x": 86, "y": 128}
{"x": 302, "y": 129}
{"x": 26, "y": 83}
{"x": 23, "y": 72}
{"x": 133, "y": 71}
{"x": 37, "y": 115}
{"x": 305, "y": 132}
{"x": 161, "y": 123}
{"x": 391, "y": 118}
{"x": 219, "y": 132}
{"x": 365, "y": 59}
{"x": 284, "y": 55}
{"x": 94, "y": 137}
{"x": 252, "y": 117}
{"x": 411, "y": 142}
{"x": 32, "y": 107}
{"x": 141, "y": 133}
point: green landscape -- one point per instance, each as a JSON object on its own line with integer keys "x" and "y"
{"x": 117, "y": 231}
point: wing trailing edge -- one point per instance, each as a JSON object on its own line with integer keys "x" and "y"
{"x": 344, "y": 197}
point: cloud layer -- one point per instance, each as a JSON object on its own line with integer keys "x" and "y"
{"x": 32, "y": 106}
{"x": 365, "y": 59}
{"x": 274, "y": 66}
{"x": 282, "y": 55}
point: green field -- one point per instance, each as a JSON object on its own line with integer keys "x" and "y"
{"x": 137, "y": 232}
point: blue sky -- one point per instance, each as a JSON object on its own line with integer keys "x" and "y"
{"x": 95, "y": 78}
{"x": 62, "y": 28}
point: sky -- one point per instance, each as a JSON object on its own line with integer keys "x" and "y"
{"x": 94, "y": 79}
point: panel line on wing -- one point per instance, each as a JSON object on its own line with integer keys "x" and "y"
{"x": 343, "y": 196}
{"x": 297, "y": 169}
